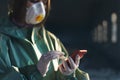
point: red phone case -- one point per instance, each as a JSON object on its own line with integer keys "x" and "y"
{"x": 81, "y": 53}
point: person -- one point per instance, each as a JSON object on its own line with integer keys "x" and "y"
{"x": 30, "y": 52}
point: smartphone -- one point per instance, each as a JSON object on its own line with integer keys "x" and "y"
{"x": 81, "y": 53}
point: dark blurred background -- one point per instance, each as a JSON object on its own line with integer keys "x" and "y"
{"x": 74, "y": 21}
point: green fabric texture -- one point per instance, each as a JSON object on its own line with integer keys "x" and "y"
{"x": 17, "y": 50}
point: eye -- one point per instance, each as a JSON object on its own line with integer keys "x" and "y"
{"x": 34, "y": 1}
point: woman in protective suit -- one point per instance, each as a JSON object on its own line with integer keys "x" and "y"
{"x": 28, "y": 51}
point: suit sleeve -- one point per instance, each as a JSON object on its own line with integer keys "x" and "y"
{"x": 8, "y": 72}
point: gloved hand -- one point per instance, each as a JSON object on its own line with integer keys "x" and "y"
{"x": 67, "y": 68}
{"x": 45, "y": 59}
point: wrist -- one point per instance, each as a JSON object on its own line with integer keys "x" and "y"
{"x": 41, "y": 71}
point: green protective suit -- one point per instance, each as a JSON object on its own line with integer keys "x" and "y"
{"x": 18, "y": 53}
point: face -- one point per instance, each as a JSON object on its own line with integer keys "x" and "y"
{"x": 35, "y": 11}
{"x": 19, "y": 12}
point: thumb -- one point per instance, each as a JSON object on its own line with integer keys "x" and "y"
{"x": 77, "y": 60}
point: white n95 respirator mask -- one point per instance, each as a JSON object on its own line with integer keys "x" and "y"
{"x": 36, "y": 13}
